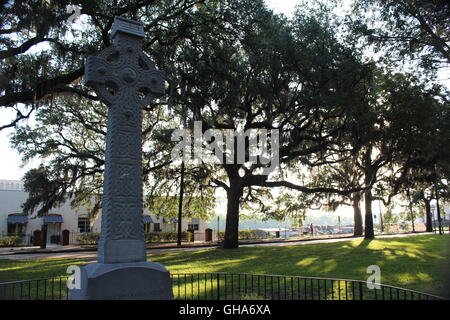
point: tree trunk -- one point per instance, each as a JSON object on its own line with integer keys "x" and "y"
{"x": 368, "y": 218}
{"x": 358, "y": 230}
{"x": 428, "y": 216}
{"x": 232, "y": 223}
{"x": 369, "y": 174}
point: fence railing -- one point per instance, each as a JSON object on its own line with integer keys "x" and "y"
{"x": 233, "y": 286}
{"x": 37, "y": 289}
{"x": 227, "y": 286}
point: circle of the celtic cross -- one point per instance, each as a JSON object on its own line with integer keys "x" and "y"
{"x": 124, "y": 76}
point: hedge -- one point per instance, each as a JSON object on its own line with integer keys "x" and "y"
{"x": 88, "y": 238}
{"x": 93, "y": 237}
{"x": 164, "y": 236}
{"x": 247, "y": 234}
{"x": 10, "y": 241}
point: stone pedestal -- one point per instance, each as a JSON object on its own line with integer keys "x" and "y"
{"x": 124, "y": 281}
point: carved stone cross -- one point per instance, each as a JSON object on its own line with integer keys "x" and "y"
{"x": 127, "y": 81}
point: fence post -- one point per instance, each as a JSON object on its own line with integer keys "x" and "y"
{"x": 218, "y": 286}
{"x": 360, "y": 291}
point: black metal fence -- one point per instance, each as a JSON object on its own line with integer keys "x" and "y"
{"x": 38, "y": 289}
{"x": 226, "y": 286}
{"x": 231, "y": 286}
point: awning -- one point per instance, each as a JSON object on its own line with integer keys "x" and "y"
{"x": 171, "y": 220}
{"x": 53, "y": 219}
{"x": 17, "y": 219}
{"x": 148, "y": 219}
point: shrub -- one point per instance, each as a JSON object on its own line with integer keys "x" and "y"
{"x": 247, "y": 234}
{"x": 10, "y": 241}
{"x": 88, "y": 238}
{"x": 93, "y": 237}
{"x": 252, "y": 296}
{"x": 164, "y": 236}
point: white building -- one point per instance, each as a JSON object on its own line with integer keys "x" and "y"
{"x": 65, "y": 223}
{"x": 445, "y": 214}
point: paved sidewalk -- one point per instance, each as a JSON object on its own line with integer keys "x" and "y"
{"x": 197, "y": 244}
{"x": 49, "y": 249}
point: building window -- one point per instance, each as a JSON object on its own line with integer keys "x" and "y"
{"x": 16, "y": 229}
{"x": 84, "y": 224}
{"x": 147, "y": 227}
{"x": 11, "y": 228}
{"x": 156, "y": 227}
{"x": 193, "y": 226}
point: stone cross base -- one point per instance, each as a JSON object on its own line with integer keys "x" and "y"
{"x": 124, "y": 281}
{"x": 121, "y": 251}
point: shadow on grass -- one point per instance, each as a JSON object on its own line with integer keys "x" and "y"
{"x": 13, "y": 270}
{"x": 406, "y": 262}
{"x": 365, "y": 243}
{"x": 409, "y": 263}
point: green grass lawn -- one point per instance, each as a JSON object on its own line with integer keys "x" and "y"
{"x": 410, "y": 262}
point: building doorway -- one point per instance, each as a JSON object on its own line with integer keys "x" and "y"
{"x": 53, "y": 222}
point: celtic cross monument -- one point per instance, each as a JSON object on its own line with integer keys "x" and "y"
{"x": 126, "y": 80}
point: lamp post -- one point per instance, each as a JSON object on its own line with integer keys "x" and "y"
{"x": 218, "y": 228}
{"x": 437, "y": 208}
{"x": 339, "y": 224}
{"x": 180, "y": 204}
{"x": 381, "y": 216}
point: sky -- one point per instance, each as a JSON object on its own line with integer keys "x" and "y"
{"x": 9, "y": 159}
{"x": 282, "y": 6}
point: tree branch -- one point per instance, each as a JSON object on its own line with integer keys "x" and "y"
{"x": 41, "y": 90}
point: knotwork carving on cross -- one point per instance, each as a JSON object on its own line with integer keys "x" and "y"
{"x": 122, "y": 73}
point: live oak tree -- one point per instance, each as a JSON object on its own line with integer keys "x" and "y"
{"x": 424, "y": 154}
{"x": 42, "y": 64}
{"x": 412, "y": 31}
{"x": 42, "y": 55}
{"x": 396, "y": 134}
{"x": 68, "y": 137}
{"x": 418, "y": 187}
{"x": 295, "y": 78}
{"x": 343, "y": 175}
{"x": 418, "y": 117}
{"x": 388, "y": 129}
{"x": 162, "y": 199}
{"x": 371, "y": 143}
{"x": 400, "y": 105}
